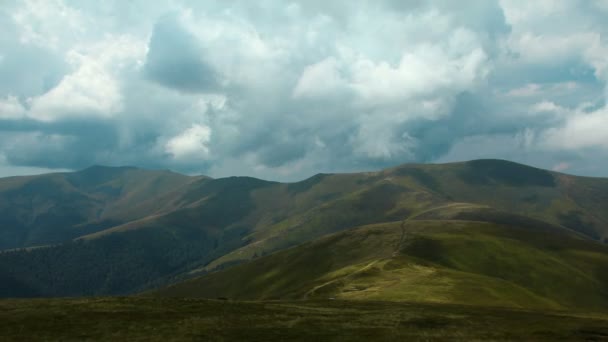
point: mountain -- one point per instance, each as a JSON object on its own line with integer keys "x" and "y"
{"x": 123, "y": 230}
{"x": 330, "y": 203}
{"x": 53, "y": 208}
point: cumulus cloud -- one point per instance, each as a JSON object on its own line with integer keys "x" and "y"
{"x": 191, "y": 143}
{"x": 282, "y": 90}
{"x": 581, "y": 130}
{"x": 92, "y": 88}
{"x": 320, "y": 80}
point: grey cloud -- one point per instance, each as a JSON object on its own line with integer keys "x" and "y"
{"x": 176, "y": 60}
{"x": 59, "y": 145}
{"x": 26, "y": 70}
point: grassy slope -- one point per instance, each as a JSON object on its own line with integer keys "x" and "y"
{"x": 575, "y": 202}
{"x": 130, "y": 259}
{"x": 46, "y": 209}
{"x": 433, "y": 261}
{"x": 144, "y": 319}
{"x": 330, "y": 203}
{"x": 213, "y": 224}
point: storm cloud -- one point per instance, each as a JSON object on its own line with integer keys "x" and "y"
{"x": 283, "y": 90}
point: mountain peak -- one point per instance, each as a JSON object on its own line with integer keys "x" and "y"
{"x": 482, "y": 171}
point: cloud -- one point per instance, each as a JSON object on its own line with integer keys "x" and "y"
{"x": 191, "y": 143}
{"x": 582, "y": 129}
{"x": 11, "y": 108}
{"x": 26, "y": 69}
{"x": 175, "y": 58}
{"x": 7, "y": 169}
{"x": 546, "y": 106}
{"x": 422, "y": 72}
{"x": 93, "y": 87}
{"x": 320, "y": 80}
{"x": 282, "y": 90}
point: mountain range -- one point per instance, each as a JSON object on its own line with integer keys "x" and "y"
{"x": 483, "y": 232}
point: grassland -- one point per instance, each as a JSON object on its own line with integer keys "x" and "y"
{"x": 458, "y": 262}
{"x": 148, "y": 319}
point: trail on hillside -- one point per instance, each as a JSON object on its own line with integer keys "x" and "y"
{"x": 401, "y": 238}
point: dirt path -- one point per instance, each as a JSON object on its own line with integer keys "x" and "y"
{"x": 401, "y": 239}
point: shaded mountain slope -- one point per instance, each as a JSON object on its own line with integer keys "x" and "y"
{"x": 53, "y": 208}
{"x": 124, "y": 258}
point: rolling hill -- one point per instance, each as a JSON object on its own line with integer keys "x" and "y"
{"x": 438, "y": 261}
{"x": 124, "y": 230}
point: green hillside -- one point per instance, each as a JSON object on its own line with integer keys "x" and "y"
{"x": 123, "y": 230}
{"x": 53, "y": 208}
{"x": 345, "y": 201}
{"x": 461, "y": 262}
{"x": 151, "y": 251}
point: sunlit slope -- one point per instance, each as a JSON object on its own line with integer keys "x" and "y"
{"x": 579, "y": 203}
{"x": 463, "y": 262}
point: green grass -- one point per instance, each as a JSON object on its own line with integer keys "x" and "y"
{"x": 146, "y": 319}
{"x": 461, "y": 262}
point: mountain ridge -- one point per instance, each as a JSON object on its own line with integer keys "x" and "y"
{"x": 164, "y": 227}
{"x": 410, "y": 164}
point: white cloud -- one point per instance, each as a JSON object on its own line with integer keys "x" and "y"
{"x": 581, "y": 130}
{"x": 423, "y": 72}
{"x": 370, "y": 143}
{"x": 93, "y": 89}
{"x": 49, "y": 23}
{"x": 522, "y": 12}
{"x": 321, "y": 79}
{"x": 530, "y": 89}
{"x": 595, "y": 54}
{"x": 10, "y": 108}
{"x": 554, "y": 49}
{"x": 88, "y": 91}
{"x": 551, "y": 32}
{"x": 190, "y": 144}
{"x": 547, "y": 106}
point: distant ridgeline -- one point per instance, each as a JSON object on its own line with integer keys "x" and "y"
{"x": 509, "y": 234}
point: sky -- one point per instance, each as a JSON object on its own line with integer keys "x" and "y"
{"x": 285, "y": 89}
